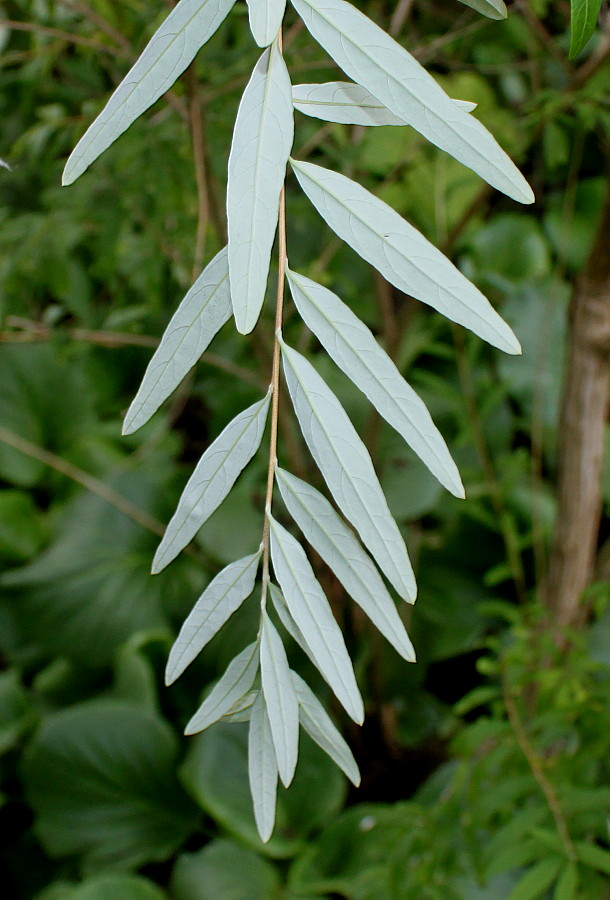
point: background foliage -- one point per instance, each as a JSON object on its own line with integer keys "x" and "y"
{"x": 485, "y": 766}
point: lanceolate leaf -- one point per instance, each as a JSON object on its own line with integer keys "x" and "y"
{"x": 225, "y": 593}
{"x": 233, "y": 686}
{"x": 202, "y": 313}
{"x": 349, "y": 104}
{"x": 401, "y": 253}
{"x": 493, "y": 9}
{"x": 348, "y": 471}
{"x": 354, "y": 349}
{"x": 280, "y": 700}
{"x": 265, "y": 19}
{"x": 317, "y": 723}
{"x": 213, "y": 478}
{"x": 287, "y": 621}
{"x": 171, "y": 49}
{"x": 584, "y": 15}
{"x": 262, "y": 769}
{"x": 340, "y": 550}
{"x": 312, "y": 614}
{"x": 257, "y": 167}
{"x": 373, "y": 59}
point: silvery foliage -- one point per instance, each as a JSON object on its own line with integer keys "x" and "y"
{"x": 388, "y": 87}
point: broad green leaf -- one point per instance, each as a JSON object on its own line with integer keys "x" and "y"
{"x": 353, "y": 348}
{"x": 171, "y": 49}
{"x": 567, "y": 883}
{"x": 225, "y": 593}
{"x": 262, "y": 769}
{"x": 101, "y": 780}
{"x": 317, "y": 723}
{"x": 537, "y": 880}
{"x": 262, "y": 139}
{"x": 230, "y": 688}
{"x": 223, "y": 870}
{"x": 312, "y": 614}
{"x": 340, "y": 550}
{"x": 584, "y": 15}
{"x": 401, "y": 253}
{"x": 202, "y": 313}
{"x": 280, "y": 700}
{"x": 348, "y": 471}
{"x": 493, "y": 9}
{"x": 214, "y": 476}
{"x": 348, "y": 104}
{"x": 372, "y": 58}
{"x": 265, "y": 19}
{"x": 113, "y": 887}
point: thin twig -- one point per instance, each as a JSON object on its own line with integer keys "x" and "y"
{"x": 46, "y": 30}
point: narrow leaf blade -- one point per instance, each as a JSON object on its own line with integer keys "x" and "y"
{"x": 234, "y": 684}
{"x": 377, "y": 62}
{"x": 171, "y": 49}
{"x": 262, "y": 769}
{"x": 262, "y": 139}
{"x": 312, "y": 614}
{"x": 340, "y": 550}
{"x": 214, "y": 476}
{"x": 493, "y": 9}
{"x": 401, "y": 253}
{"x": 354, "y": 349}
{"x": 265, "y": 19}
{"x": 584, "y": 15}
{"x": 222, "y": 597}
{"x": 319, "y": 726}
{"x": 346, "y": 466}
{"x": 204, "y": 310}
{"x": 280, "y": 700}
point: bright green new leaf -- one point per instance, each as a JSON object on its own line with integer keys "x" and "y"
{"x": 583, "y": 22}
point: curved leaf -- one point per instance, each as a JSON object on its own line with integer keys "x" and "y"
{"x": 340, "y": 550}
{"x": 236, "y": 681}
{"x": 493, "y": 9}
{"x": 346, "y": 466}
{"x": 225, "y": 593}
{"x": 401, "y": 253}
{"x": 265, "y": 19}
{"x": 377, "y": 62}
{"x": 584, "y": 15}
{"x": 280, "y": 700}
{"x": 312, "y": 614}
{"x": 171, "y": 49}
{"x": 204, "y": 310}
{"x": 262, "y": 769}
{"x": 213, "y": 478}
{"x": 262, "y": 139}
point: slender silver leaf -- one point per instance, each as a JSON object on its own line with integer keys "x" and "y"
{"x": 280, "y": 700}
{"x": 346, "y": 466}
{"x": 493, "y": 9}
{"x": 401, "y": 253}
{"x": 214, "y": 476}
{"x": 241, "y": 710}
{"x": 348, "y": 104}
{"x": 262, "y": 769}
{"x": 230, "y": 688}
{"x": 225, "y": 593}
{"x": 353, "y": 348}
{"x": 202, "y": 313}
{"x": 312, "y": 614}
{"x": 171, "y": 49}
{"x": 376, "y": 61}
{"x": 279, "y": 604}
{"x": 265, "y": 19}
{"x": 319, "y": 726}
{"x": 340, "y": 550}
{"x": 262, "y": 140}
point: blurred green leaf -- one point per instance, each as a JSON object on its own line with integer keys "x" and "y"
{"x": 224, "y": 870}
{"x": 17, "y": 714}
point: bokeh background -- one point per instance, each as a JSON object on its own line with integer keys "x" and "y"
{"x": 486, "y": 765}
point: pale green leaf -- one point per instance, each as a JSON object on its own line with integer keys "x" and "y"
{"x": 225, "y": 593}
{"x": 287, "y": 621}
{"x": 353, "y": 348}
{"x": 265, "y": 19}
{"x": 262, "y": 140}
{"x": 584, "y": 15}
{"x": 340, "y": 550}
{"x": 312, "y": 614}
{"x": 234, "y": 684}
{"x": 376, "y": 61}
{"x": 493, "y": 9}
{"x": 171, "y": 49}
{"x": 204, "y": 310}
{"x": 348, "y": 104}
{"x": 317, "y": 723}
{"x": 401, "y": 253}
{"x": 214, "y": 476}
{"x": 262, "y": 769}
{"x": 347, "y": 468}
{"x": 241, "y": 709}
{"x": 280, "y": 700}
